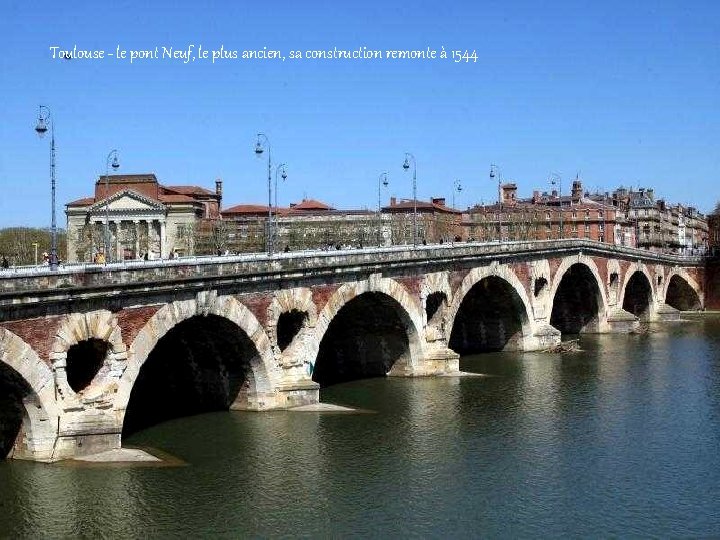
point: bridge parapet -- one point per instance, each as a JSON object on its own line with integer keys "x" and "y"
{"x": 285, "y": 266}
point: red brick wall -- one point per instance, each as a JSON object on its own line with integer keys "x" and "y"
{"x": 38, "y": 333}
{"x": 321, "y": 294}
{"x": 132, "y": 320}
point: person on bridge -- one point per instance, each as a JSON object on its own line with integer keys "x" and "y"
{"x": 5, "y": 263}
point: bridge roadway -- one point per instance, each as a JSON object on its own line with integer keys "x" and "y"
{"x": 91, "y": 353}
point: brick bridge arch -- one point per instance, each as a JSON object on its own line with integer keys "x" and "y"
{"x": 565, "y": 265}
{"x": 631, "y": 270}
{"x": 262, "y": 376}
{"x": 506, "y": 274}
{"x": 38, "y": 433}
{"x": 682, "y": 274}
{"x": 405, "y": 306}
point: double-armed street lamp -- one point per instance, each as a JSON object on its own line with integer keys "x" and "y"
{"x": 45, "y": 118}
{"x": 556, "y": 180}
{"x": 283, "y": 175}
{"x": 259, "y": 149}
{"x": 115, "y": 164}
{"x": 382, "y": 180}
{"x": 406, "y": 166}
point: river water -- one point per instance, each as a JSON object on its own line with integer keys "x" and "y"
{"x": 622, "y": 439}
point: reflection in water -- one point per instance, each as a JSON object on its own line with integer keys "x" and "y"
{"x": 618, "y": 440}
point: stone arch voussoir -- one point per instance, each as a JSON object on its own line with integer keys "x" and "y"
{"x": 263, "y": 376}
{"x": 283, "y": 301}
{"x": 39, "y": 431}
{"x": 643, "y": 269}
{"x": 590, "y": 264}
{"x": 475, "y": 276}
{"x": 77, "y": 327}
{"x": 409, "y": 310}
{"x": 683, "y": 274}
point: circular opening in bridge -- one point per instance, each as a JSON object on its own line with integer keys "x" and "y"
{"x": 637, "y": 295}
{"x": 13, "y": 390}
{"x": 288, "y": 325}
{"x": 490, "y": 318}
{"x": 433, "y": 304}
{"x": 365, "y": 339}
{"x": 200, "y": 365}
{"x": 681, "y": 295}
{"x": 577, "y": 300}
{"x": 84, "y": 360}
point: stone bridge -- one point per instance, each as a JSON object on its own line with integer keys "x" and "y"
{"x": 91, "y": 354}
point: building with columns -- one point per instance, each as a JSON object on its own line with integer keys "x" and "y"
{"x": 143, "y": 218}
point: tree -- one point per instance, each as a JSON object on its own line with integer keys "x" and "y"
{"x": 17, "y": 244}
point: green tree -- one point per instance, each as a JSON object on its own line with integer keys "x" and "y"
{"x": 18, "y": 244}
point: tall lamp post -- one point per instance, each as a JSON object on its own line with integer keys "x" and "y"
{"x": 555, "y": 179}
{"x": 457, "y": 187}
{"x": 115, "y": 164}
{"x": 406, "y": 166}
{"x": 283, "y": 175}
{"x": 45, "y": 118}
{"x": 495, "y": 171}
{"x": 382, "y": 181}
{"x": 258, "y": 151}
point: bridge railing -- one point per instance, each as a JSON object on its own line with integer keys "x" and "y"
{"x": 89, "y": 274}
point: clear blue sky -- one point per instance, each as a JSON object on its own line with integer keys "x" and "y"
{"x": 621, "y": 92}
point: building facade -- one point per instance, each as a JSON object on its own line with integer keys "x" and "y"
{"x": 547, "y": 216}
{"x": 137, "y": 217}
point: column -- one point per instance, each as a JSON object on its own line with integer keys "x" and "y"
{"x": 136, "y": 226}
{"x": 163, "y": 242}
{"x": 116, "y": 250}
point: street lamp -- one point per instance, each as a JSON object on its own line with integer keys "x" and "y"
{"x": 406, "y": 166}
{"x": 45, "y": 118}
{"x": 35, "y": 245}
{"x": 495, "y": 171}
{"x": 258, "y": 151}
{"x": 555, "y": 179}
{"x": 284, "y": 177}
{"x": 382, "y": 180}
{"x": 115, "y": 164}
{"x": 457, "y": 186}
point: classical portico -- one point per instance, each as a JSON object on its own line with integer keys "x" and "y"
{"x": 137, "y": 225}
{"x": 142, "y": 218}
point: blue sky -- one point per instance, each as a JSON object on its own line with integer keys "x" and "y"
{"x": 623, "y": 93}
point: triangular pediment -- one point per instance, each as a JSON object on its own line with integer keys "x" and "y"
{"x": 127, "y": 201}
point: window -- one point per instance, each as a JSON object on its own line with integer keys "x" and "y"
{"x": 574, "y": 214}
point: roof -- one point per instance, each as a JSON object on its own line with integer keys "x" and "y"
{"x": 311, "y": 204}
{"x": 82, "y": 202}
{"x": 188, "y": 190}
{"x": 128, "y": 178}
{"x": 246, "y": 209}
{"x": 406, "y": 204}
{"x": 175, "y": 198}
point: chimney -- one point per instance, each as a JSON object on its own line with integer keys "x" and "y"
{"x": 554, "y": 193}
{"x": 536, "y": 197}
{"x": 393, "y": 200}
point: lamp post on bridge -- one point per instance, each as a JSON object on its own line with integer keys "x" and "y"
{"x": 45, "y": 118}
{"x": 382, "y": 181}
{"x": 283, "y": 175}
{"x": 555, "y": 179}
{"x": 457, "y": 187}
{"x": 258, "y": 151}
{"x": 406, "y": 166}
{"x": 115, "y": 165}
{"x": 495, "y": 171}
